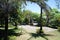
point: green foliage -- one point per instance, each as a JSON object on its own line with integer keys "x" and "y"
{"x": 57, "y": 17}
{"x": 54, "y": 18}
{"x": 26, "y": 16}
{"x": 59, "y": 28}
{"x": 35, "y": 16}
{"x": 12, "y": 37}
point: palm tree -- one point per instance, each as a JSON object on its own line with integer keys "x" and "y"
{"x": 6, "y": 7}
{"x": 44, "y": 7}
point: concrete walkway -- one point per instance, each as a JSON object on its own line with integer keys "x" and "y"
{"x": 31, "y": 29}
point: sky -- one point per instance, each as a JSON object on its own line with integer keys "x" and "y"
{"x": 35, "y": 8}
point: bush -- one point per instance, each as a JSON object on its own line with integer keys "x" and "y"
{"x": 59, "y": 28}
{"x": 53, "y": 23}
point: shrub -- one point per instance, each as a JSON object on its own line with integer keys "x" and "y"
{"x": 59, "y": 28}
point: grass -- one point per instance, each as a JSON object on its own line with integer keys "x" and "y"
{"x": 12, "y": 37}
{"x": 52, "y": 35}
{"x": 12, "y": 33}
{"x": 55, "y": 35}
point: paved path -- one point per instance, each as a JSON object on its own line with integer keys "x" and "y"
{"x": 31, "y": 29}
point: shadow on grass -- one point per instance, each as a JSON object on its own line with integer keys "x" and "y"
{"x": 1, "y": 34}
{"x": 11, "y": 32}
{"x": 39, "y": 35}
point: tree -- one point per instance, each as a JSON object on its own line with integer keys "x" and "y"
{"x": 28, "y": 17}
{"x": 57, "y": 3}
{"x": 6, "y": 7}
{"x": 53, "y": 18}
{"x": 43, "y": 6}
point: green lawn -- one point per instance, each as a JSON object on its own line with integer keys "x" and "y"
{"x": 55, "y": 35}
{"x": 13, "y": 33}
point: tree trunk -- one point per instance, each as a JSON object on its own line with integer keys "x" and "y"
{"x": 1, "y": 22}
{"x": 6, "y": 27}
{"x": 31, "y": 21}
{"x": 16, "y": 25}
{"x": 6, "y": 22}
{"x": 47, "y": 19}
{"x": 41, "y": 21}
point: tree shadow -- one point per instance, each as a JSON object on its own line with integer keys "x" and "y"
{"x": 35, "y": 35}
{"x": 1, "y": 34}
{"x": 11, "y": 32}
